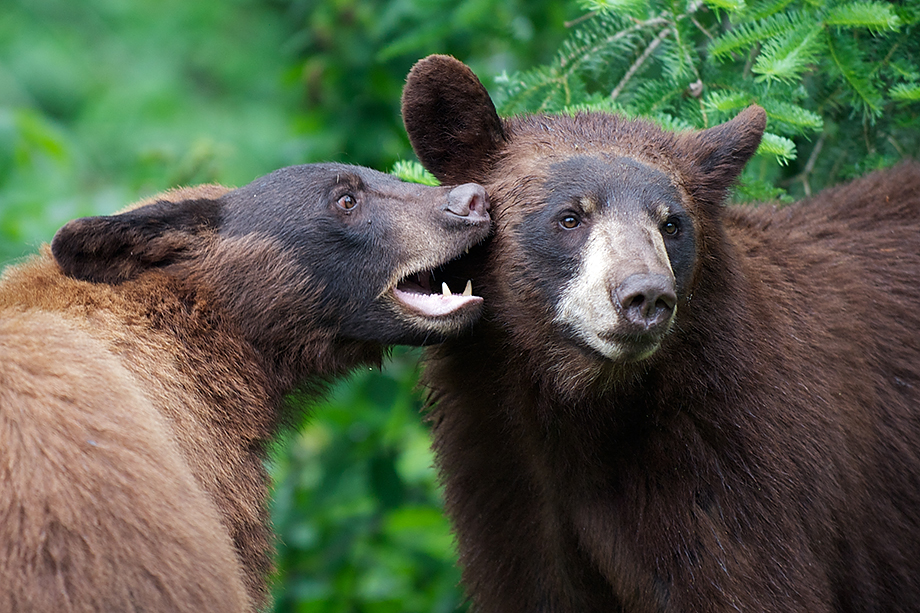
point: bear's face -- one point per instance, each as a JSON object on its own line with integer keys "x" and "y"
{"x": 341, "y": 248}
{"x": 609, "y": 248}
{"x": 600, "y": 222}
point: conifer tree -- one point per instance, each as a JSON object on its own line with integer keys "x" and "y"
{"x": 839, "y": 80}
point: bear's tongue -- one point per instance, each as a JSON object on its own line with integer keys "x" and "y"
{"x": 416, "y": 293}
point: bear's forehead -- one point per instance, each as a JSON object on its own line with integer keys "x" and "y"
{"x": 604, "y": 177}
{"x": 537, "y": 140}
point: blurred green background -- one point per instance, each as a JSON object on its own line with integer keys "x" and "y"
{"x": 103, "y": 102}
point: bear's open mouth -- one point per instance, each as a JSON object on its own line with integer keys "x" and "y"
{"x": 427, "y": 294}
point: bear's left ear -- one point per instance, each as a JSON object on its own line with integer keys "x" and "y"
{"x": 451, "y": 121}
{"x": 715, "y": 157}
{"x": 117, "y": 248}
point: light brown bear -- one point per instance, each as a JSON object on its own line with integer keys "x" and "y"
{"x": 144, "y": 362}
{"x": 670, "y": 405}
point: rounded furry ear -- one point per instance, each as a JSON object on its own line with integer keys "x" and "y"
{"x": 716, "y": 156}
{"x": 117, "y": 248}
{"x": 450, "y": 119}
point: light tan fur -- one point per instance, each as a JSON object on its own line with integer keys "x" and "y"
{"x": 95, "y": 477}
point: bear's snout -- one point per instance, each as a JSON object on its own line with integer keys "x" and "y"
{"x": 647, "y": 301}
{"x": 469, "y": 201}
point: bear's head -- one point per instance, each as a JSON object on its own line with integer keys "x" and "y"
{"x": 601, "y": 223}
{"x": 319, "y": 251}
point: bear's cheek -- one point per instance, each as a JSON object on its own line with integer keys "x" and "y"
{"x": 526, "y": 268}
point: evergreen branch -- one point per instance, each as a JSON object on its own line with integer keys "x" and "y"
{"x": 728, "y": 5}
{"x": 599, "y": 104}
{"x": 413, "y": 172}
{"x": 726, "y": 103}
{"x": 748, "y": 34}
{"x": 778, "y": 146}
{"x": 872, "y": 15}
{"x": 810, "y": 164}
{"x": 763, "y": 9}
{"x": 569, "y": 62}
{"x": 578, "y": 20}
{"x": 758, "y": 190}
{"x": 669, "y": 122}
{"x": 904, "y": 68}
{"x": 905, "y": 92}
{"x": 634, "y": 8}
{"x": 639, "y": 62}
{"x": 847, "y": 59}
{"x": 798, "y": 119}
{"x": 786, "y": 58}
{"x": 650, "y": 96}
{"x": 686, "y": 52}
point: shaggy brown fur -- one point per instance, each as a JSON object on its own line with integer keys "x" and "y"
{"x": 143, "y": 368}
{"x": 766, "y": 457}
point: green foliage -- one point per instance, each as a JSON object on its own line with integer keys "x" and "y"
{"x": 839, "y": 80}
{"x": 357, "y": 507}
{"x": 103, "y": 102}
{"x": 354, "y": 56}
{"x": 413, "y": 172}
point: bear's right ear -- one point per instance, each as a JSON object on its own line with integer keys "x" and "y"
{"x": 117, "y": 248}
{"x": 450, "y": 119}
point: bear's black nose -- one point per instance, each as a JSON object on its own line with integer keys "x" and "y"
{"x": 646, "y": 300}
{"x": 469, "y": 200}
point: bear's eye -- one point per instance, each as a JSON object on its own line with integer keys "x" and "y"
{"x": 671, "y": 226}
{"x": 570, "y": 222}
{"x": 347, "y": 202}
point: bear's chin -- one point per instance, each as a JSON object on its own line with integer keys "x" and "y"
{"x": 576, "y": 372}
{"x": 628, "y": 350}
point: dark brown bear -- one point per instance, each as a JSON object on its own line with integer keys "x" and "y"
{"x": 669, "y": 404}
{"x": 145, "y": 358}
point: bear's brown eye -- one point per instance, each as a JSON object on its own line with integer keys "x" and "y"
{"x": 569, "y": 222}
{"x": 670, "y": 227}
{"x": 347, "y": 202}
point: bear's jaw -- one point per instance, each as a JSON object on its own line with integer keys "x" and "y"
{"x": 417, "y": 293}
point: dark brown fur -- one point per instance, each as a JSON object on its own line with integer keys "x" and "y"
{"x": 765, "y": 458}
{"x": 143, "y": 369}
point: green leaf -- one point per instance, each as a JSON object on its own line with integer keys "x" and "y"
{"x": 780, "y": 147}
{"x": 905, "y": 92}
{"x": 872, "y": 15}
{"x": 413, "y": 172}
{"x": 787, "y": 57}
